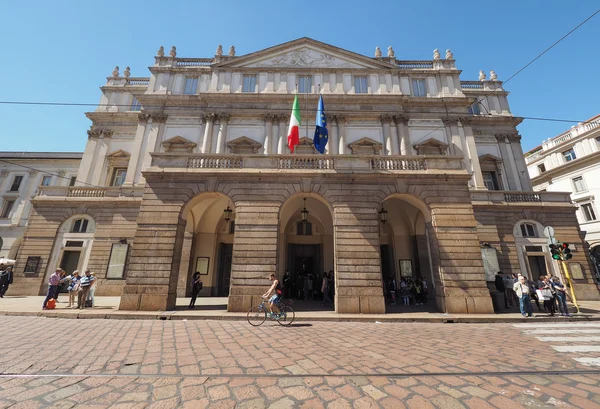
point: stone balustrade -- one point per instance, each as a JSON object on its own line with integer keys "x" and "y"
{"x": 471, "y": 85}
{"x": 338, "y": 163}
{"x": 139, "y": 81}
{"x": 194, "y": 62}
{"x": 89, "y": 191}
{"x": 499, "y": 196}
{"x": 415, "y": 65}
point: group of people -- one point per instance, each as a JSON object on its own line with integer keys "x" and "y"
{"x": 548, "y": 289}
{"x": 81, "y": 288}
{"x": 6, "y": 278}
{"x": 412, "y": 292}
{"x": 308, "y": 286}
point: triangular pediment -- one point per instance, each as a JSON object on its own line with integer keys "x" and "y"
{"x": 431, "y": 146}
{"x": 119, "y": 154}
{"x": 178, "y": 144}
{"x": 243, "y": 144}
{"x": 305, "y": 53}
{"x": 365, "y": 146}
{"x": 305, "y": 146}
{"x": 489, "y": 158}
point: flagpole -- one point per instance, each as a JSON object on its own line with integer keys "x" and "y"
{"x": 306, "y": 99}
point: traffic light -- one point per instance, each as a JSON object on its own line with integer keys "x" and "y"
{"x": 566, "y": 252}
{"x": 555, "y": 251}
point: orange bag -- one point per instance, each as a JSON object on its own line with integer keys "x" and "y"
{"x": 51, "y": 304}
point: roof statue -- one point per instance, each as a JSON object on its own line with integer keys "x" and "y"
{"x": 232, "y": 51}
{"x": 219, "y": 50}
{"x": 493, "y": 76}
{"x": 436, "y": 54}
{"x": 115, "y": 72}
{"x": 481, "y": 75}
{"x": 161, "y": 51}
{"x": 449, "y": 55}
{"x": 377, "y": 52}
{"x": 391, "y": 53}
{"x": 127, "y": 72}
{"x": 173, "y": 52}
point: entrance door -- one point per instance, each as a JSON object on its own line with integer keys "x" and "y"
{"x": 387, "y": 268}
{"x": 537, "y": 266}
{"x": 304, "y": 259}
{"x": 70, "y": 260}
{"x": 224, "y": 271}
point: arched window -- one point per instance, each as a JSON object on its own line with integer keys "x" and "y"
{"x": 304, "y": 229}
{"x": 528, "y": 230}
{"x": 79, "y": 226}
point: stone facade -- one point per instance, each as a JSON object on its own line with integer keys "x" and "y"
{"x": 202, "y": 136}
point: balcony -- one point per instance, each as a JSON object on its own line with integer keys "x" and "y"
{"x": 519, "y": 198}
{"x": 85, "y": 192}
{"x": 415, "y": 65}
{"x": 181, "y": 162}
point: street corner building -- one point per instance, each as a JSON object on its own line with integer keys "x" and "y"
{"x": 190, "y": 169}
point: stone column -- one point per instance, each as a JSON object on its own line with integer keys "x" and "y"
{"x": 342, "y": 121}
{"x": 282, "y": 142}
{"x": 333, "y": 144}
{"x": 140, "y": 134}
{"x": 88, "y": 160}
{"x": 144, "y": 159}
{"x": 395, "y": 137}
{"x": 403, "y": 136}
{"x": 254, "y": 250}
{"x": 268, "y": 118}
{"x": 387, "y": 134}
{"x": 472, "y": 152}
{"x": 453, "y": 137}
{"x": 99, "y": 155}
{"x": 208, "y": 131}
{"x": 29, "y": 192}
{"x": 222, "y": 135}
{"x": 184, "y": 267}
{"x": 509, "y": 163}
{"x": 357, "y": 254}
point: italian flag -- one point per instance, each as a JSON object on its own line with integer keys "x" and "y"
{"x": 293, "y": 135}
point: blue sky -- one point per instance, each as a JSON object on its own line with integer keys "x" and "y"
{"x": 63, "y": 50}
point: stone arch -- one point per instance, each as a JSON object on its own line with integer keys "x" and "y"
{"x": 532, "y": 250}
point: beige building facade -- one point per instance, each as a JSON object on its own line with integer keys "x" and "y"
{"x": 189, "y": 170}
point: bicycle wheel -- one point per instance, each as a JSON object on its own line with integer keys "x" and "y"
{"x": 256, "y": 315}
{"x": 286, "y": 316}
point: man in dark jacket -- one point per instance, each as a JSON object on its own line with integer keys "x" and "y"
{"x": 6, "y": 278}
{"x": 500, "y": 287}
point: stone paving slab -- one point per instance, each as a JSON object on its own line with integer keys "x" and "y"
{"x": 107, "y": 309}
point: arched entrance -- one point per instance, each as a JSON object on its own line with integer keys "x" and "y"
{"x": 306, "y": 249}
{"x": 207, "y": 245}
{"x": 406, "y": 254}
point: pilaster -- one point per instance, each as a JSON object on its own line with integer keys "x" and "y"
{"x": 209, "y": 118}
{"x": 333, "y": 144}
{"x": 342, "y": 120}
{"x": 222, "y": 135}
{"x": 387, "y": 134}
{"x": 471, "y": 158}
{"x": 267, "y": 142}
{"x": 140, "y": 135}
{"x": 281, "y": 144}
{"x": 403, "y": 136}
{"x": 509, "y": 160}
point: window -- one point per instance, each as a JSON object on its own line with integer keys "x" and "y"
{"x": 135, "y": 104}
{"x": 232, "y": 227}
{"x": 360, "y": 85}
{"x": 80, "y": 226}
{"x": 419, "y": 89}
{"x": 305, "y": 85}
{"x": 73, "y": 180}
{"x": 118, "y": 177}
{"x": 6, "y": 209}
{"x": 304, "y": 229}
{"x": 598, "y": 141}
{"x": 569, "y": 155}
{"x": 490, "y": 180}
{"x": 579, "y": 184}
{"x": 474, "y": 109}
{"x": 542, "y": 168}
{"x": 16, "y": 183}
{"x": 46, "y": 180}
{"x": 249, "y": 83}
{"x": 528, "y": 230}
{"x": 191, "y": 84}
{"x": 588, "y": 212}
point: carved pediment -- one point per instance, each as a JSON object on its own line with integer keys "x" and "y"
{"x": 365, "y": 146}
{"x": 118, "y": 158}
{"x": 178, "y": 144}
{"x": 243, "y": 144}
{"x": 119, "y": 154}
{"x": 489, "y": 158}
{"x": 305, "y": 147}
{"x": 431, "y": 146}
{"x": 305, "y": 53}
{"x": 490, "y": 163}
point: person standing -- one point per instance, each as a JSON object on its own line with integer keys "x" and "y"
{"x": 84, "y": 288}
{"x": 196, "y": 287}
{"x": 53, "y": 283}
{"x": 548, "y": 293}
{"x": 325, "y": 290}
{"x": 522, "y": 290}
{"x": 287, "y": 284}
{"x": 499, "y": 282}
{"x": 73, "y": 288}
{"x": 561, "y": 296}
{"x": 6, "y": 278}
{"x": 90, "y": 298}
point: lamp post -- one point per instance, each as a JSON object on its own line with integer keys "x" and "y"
{"x": 304, "y": 212}
{"x": 227, "y": 213}
{"x": 383, "y": 215}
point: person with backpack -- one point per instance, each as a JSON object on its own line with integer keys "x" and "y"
{"x": 196, "y": 287}
{"x": 53, "y": 283}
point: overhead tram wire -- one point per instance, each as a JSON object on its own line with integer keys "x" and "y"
{"x": 49, "y": 173}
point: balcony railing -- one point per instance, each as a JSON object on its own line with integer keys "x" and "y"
{"x": 498, "y": 196}
{"x": 138, "y": 81}
{"x": 328, "y": 163}
{"x": 89, "y": 192}
{"x": 471, "y": 85}
{"x": 194, "y": 62}
{"x": 415, "y": 65}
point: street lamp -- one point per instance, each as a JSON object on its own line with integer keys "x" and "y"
{"x": 383, "y": 215}
{"x": 304, "y": 212}
{"x": 227, "y": 213}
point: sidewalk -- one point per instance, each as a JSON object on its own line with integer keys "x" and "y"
{"x": 214, "y": 308}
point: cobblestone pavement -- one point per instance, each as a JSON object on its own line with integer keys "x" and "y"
{"x": 62, "y": 363}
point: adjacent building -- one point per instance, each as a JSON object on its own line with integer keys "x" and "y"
{"x": 22, "y": 174}
{"x": 188, "y": 169}
{"x": 570, "y": 162}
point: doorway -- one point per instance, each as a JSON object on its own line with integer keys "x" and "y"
{"x": 70, "y": 260}
{"x": 537, "y": 267}
{"x": 306, "y": 271}
{"x": 224, "y": 270}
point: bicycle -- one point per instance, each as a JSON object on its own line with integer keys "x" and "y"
{"x": 258, "y": 314}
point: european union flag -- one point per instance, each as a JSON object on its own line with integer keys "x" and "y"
{"x": 321, "y": 134}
